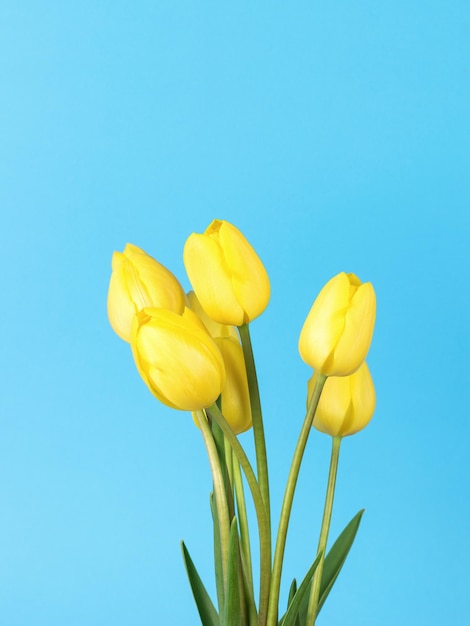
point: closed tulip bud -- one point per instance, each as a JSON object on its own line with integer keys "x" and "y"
{"x": 235, "y": 400}
{"x": 214, "y": 328}
{"x": 337, "y": 333}
{"x": 177, "y": 359}
{"x": 346, "y": 404}
{"x": 139, "y": 281}
{"x": 227, "y": 275}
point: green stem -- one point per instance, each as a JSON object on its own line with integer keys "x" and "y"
{"x": 243, "y": 520}
{"x": 221, "y": 445}
{"x": 229, "y": 484}
{"x": 258, "y": 428}
{"x": 325, "y": 528}
{"x": 219, "y": 490}
{"x": 245, "y": 548}
{"x": 263, "y": 526}
{"x": 288, "y": 499}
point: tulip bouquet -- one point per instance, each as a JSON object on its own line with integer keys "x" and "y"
{"x": 194, "y": 353}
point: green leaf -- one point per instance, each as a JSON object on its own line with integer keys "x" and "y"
{"x": 336, "y": 557}
{"x": 232, "y": 608}
{"x": 292, "y": 592}
{"x": 207, "y": 612}
{"x": 291, "y": 618}
{"x": 334, "y": 561}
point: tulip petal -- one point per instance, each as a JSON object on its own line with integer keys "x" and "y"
{"x": 214, "y": 328}
{"x": 153, "y": 284}
{"x": 362, "y": 400}
{"x": 346, "y": 404}
{"x": 358, "y": 329}
{"x": 177, "y": 359}
{"x": 334, "y": 406}
{"x": 325, "y": 322}
{"x": 249, "y": 277}
{"x": 337, "y": 333}
{"x": 235, "y": 399}
{"x": 211, "y": 279}
{"x": 121, "y": 308}
{"x": 227, "y": 275}
{"x": 139, "y": 281}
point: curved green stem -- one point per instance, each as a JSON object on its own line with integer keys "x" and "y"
{"x": 263, "y": 526}
{"x": 219, "y": 490}
{"x": 325, "y": 528}
{"x": 245, "y": 548}
{"x": 229, "y": 481}
{"x": 288, "y": 499}
{"x": 258, "y": 428}
{"x": 243, "y": 522}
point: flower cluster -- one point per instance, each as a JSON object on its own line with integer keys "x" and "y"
{"x": 186, "y": 347}
{"x": 193, "y": 352}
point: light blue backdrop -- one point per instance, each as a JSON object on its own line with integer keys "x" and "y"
{"x": 335, "y": 135}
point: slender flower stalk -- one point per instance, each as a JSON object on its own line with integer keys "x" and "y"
{"x": 247, "y": 601}
{"x": 258, "y": 428}
{"x": 219, "y": 490}
{"x": 243, "y": 521}
{"x": 325, "y": 528}
{"x": 229, "y": 482}
{"x": 288, "y": 499}
{"x": 263, "y": 527}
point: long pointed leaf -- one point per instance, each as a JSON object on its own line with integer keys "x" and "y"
{"x": 336, "y": 557}
{"x": 292, "y": 592}
{"x": 291, "y": 615}
{"x": 207, "y": 612}
{"x": 334, "y": 561}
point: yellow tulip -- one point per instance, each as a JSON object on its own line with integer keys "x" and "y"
{"x": 139, "y": 281}
{"x": 235, "y": 400}
{"x": 214, "y": 328}
{"x": 177, "y": 359}
{"x": 227, "y": 275}
{"x": 346, "y": 404}
{"x": 337, "y": 333}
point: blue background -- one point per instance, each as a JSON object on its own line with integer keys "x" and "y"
{"x": 335, "y": 135}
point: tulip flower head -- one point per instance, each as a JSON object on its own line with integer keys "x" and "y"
{"x": 213, "y": 328}
{"x": 346, "y": 404}
{"x": 337, "y": 333}
{"x": 227, "y": 275}
{"x": 235, "y": 400}
{"x": 139, "y": 281}
{"x": 177, "y": 359}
